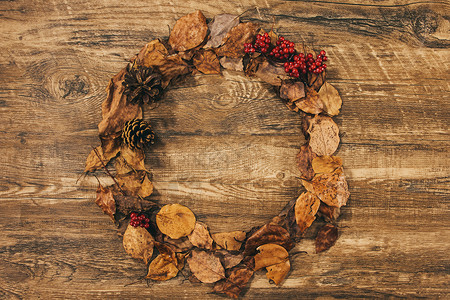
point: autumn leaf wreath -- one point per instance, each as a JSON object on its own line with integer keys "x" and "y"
{"x": 227, "y": 259}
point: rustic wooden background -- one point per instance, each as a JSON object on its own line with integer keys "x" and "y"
{"x": 226, "y": 146}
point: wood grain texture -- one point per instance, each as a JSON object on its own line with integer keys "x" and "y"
{"x": 226, "y": 147}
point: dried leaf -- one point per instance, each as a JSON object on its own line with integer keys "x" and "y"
{"x": 105, "y": 200}
{"x": 173, "y": 67}
{"x": 132, "y": 158}
{"x": 138, "y": 243}
{"x": 153, "y": 54}
{"x": 311, "y": 104}
{"x": 228, "y": 259}
{"x": 326, "y": 164}
{"x": 93, "y": 161}
{"x": 315, "y": 81}
{"x": 206, "y": 61}
{"x": 286, "y": 219}
{"x": 161, "y": 269}
{"x": 230, "y": 63}
{"x": 128, "y": 204}
{"x": 330, "y": 188}
{"x": 324, "y": 135}
{"x": 229, "y": 240}
{"x": 330, "y": 213}
{"x": 271, "y": 73}
{"x": 292, "y": 90}
{"x": 306, "y": 208}
{"x": 166, "y": 252}
{"x": 219, "y": 27}
{"x": 326, "y": 237}
{"x": 234, "y": 41}
{"x": 304, "y": 161}
{"x": 189, "y": 31}
{"x": 205, "y": 266}
{"x": 111, "y": 145}
{"x": 252, "y": 63}
{"x": 135, "y": 183}
{"x": 175, "y": 220}
{"x": 200, "y": 236}
{"x": 278, "y": 272}
{"x": 235, "y": 283}
{"x": 331, "y": 99}
{"x": 270, "y": 254}
{"x": 268, "y": 234}
{"x": 273, "y": 38}
{"x": 179, "y": 245}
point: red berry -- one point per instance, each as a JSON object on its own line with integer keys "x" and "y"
{"x": 324, "y": 58}
{"x": 322, "y": 52}
{"x": 263, "y": 50}
{"x": 147, "y": 225}
{"x": 266, "y": 34}
{"x": 291, "y": 50}
{"x": 133, "y": 215}
{"x": 309, "y": 55}
{"x": 281, "y": 38}
{"x": 324, "y": 66}
{"x": 252, "y": 50}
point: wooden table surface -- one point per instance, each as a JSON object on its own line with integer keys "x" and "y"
{"x": 226, "y": 146}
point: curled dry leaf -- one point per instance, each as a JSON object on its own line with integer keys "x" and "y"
{"x": 304, "y": 161}
{"x": 153, "y": 54}
{"x": 128, "y": 204}
{"x": 179, "y": 245}
{"x": 135, "y": 183}
{"x": 330, "y": 188}
{"x": 206, "y": 61}
{"x": 205, "y": 266}
{"x": 311, "y": 104}
{"x": 200, "y": 236}
{"x": 271, "y": 73}
{"x": 233, "y": 285}
{"x": 306, "y": 208}
{"x": 173, "y": 67}
{"x": 229, "y": 259}
{"x": 324, "y": 135}
{"x": 105, "y": 200}
{"x": 175, "y": 220}
{"x": 95, "y": 159}
{"x": 166, "y": 252}
{"x": 189, "y": 31}
{"x": 315, "y": 81}
{"x": 326, "y": 237}
{"x": 251, "y": 63}
{"x": 326, "y": 164}
{"x": 229, "y": 240}
{"x": 270, "y": 254}
{"x": 331, "y": 99}
{"x": 161, "y": 269}
{"x": 230, "y": 63}
{"x": 138, "y": 243}
{"x": 278, "y": 272}
{"x": 235, "y": 39}
{"x": 292, "y": 90}
{"x": 330, "y": 213}
{"x": 219, "y": 27}
{"x": 268, "y": 234}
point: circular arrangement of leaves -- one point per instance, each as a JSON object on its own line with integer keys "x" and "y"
{"x": 228, "y": 259}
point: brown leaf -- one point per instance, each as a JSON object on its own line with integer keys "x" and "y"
{"x": 235, "y": 283}
{"x": 161, "y": 269}
{"x": 230, "y": 63}
{"x": 173, "y": 67}
{"x": 200, "y": 236}
{"x": 179, "y": 245}
{"x": 219, "y": 27}
{"x": 205, "y": 266}
{"x": 234, "y": 41}
{"x": 304, "y": 161}
{"x": 311, "y": 104}
{"x": 268, "y": 234}
{"x": 153, "y": 54}
{"x": 166, "y": 252}
{"x": 175, "y": 220}
{"x": 292, "y": 90}
{"x": 133, "y": 158}
{"x": 331, "y": 99}
{"x": 94, "y": 160}
{"x": 206, "y": 61}
{"x": 326, "y": 164}
{"x": 326, "y": 237}
{"x": 286, "y": 219}
{"x": 273, "y": 38}
{"x": 229, "y": 240}
{"x": 189, "y": 31}
{"x": 330, "y": 213}
{"x": 324, "y": 135}
{"x": 135, "y": 183}
{"x": 278, "y": 272}
{"x": 330, "y": 188}
{"x": 270, "y": 254}
{"x": 252, "y": 63}
{"x": 116, "y": 111}
{"x": 306, "y": 208}
{"x": 138, "y": 243}
{"x": 128, "y": 204}
{"x": 271, "y": 73}
{"x": 229, "y": 259}
{"x": 315, "y": 81}
{"x": 105, "y": 200}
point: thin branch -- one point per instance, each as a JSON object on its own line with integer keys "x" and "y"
{"x": 107, "y": 171}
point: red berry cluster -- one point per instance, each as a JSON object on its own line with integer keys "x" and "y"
{"x": 261, "y": 45}
{"x": 140, "y": 220}
{"x": 302, "y": 64}
{"x": 283, "y": 49}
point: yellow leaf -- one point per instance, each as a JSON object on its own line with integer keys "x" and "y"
{"x": 175, "y": 220}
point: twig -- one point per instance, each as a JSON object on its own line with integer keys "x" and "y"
{"x": 107, "y": 171}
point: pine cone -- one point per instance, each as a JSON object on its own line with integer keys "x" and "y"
{"x": 142, "y": 84}
{"x": 137, "y": 133}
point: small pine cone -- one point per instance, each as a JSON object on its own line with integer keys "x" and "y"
{"x": 142, "y": 84}
{"x": 137, "y": 134}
